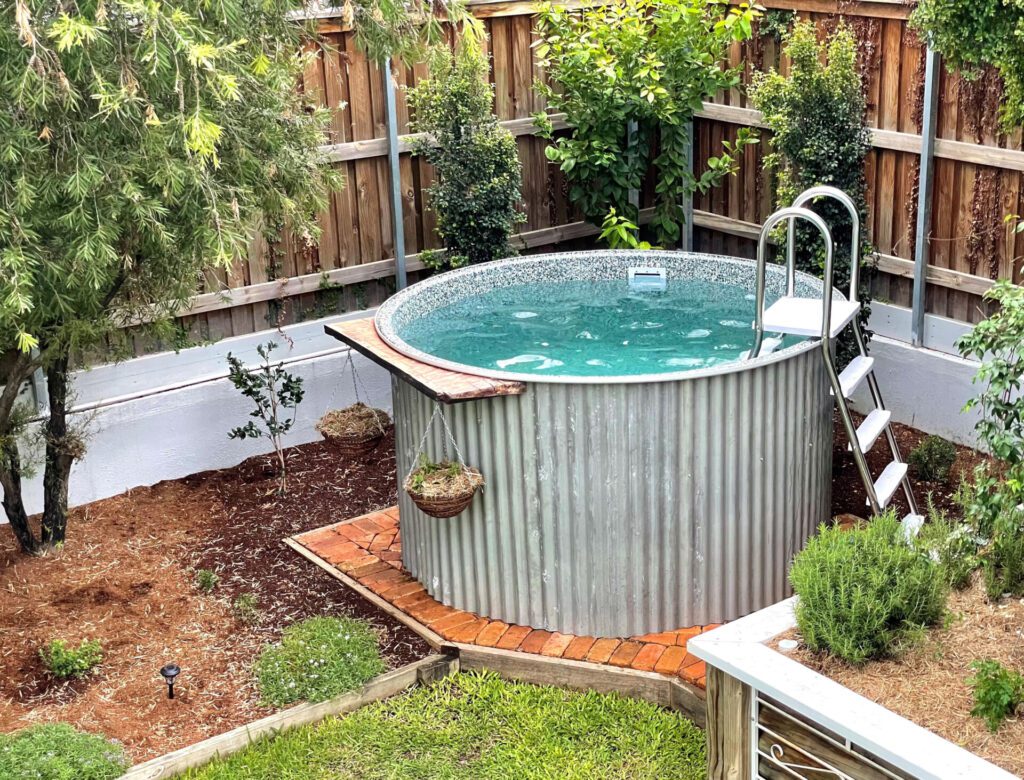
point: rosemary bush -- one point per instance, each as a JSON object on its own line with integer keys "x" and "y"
{"x": 865, "y": 593}
{"x": 476, "y": 196}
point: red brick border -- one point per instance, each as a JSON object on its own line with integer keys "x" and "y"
{"x": 369, "y": 549}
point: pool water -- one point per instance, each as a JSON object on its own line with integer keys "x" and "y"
{"x": 591, "y": 328}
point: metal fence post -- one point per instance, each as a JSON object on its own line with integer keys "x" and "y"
{"x": 401, "y": 279}
{"x": 686, "y": 239}
{"x": 631, "y": 132}
{"x": 932, "y": 77}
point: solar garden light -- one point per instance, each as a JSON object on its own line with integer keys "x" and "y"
{"x": 169, "y": 673}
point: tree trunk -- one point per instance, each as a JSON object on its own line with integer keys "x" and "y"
{"x": 61, "y": 451}
{"x": 14, "y": 508}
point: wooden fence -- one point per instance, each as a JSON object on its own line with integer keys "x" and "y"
{"x": 977, "y": 175}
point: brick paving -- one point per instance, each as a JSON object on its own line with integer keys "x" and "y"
{"x": 369, "y": 549}
{"x": 438, "y": 383}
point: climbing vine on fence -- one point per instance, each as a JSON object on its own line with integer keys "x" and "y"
{"x": 629, "y": 78}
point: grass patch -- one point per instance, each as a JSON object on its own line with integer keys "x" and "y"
{"x": 318, "y": 659}
{"x": 480, "y": 727}
{"x": 56, "y": 751}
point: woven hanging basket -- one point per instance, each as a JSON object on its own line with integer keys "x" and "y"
{"x": 443, "y": 489}
{"x": 355, "y": 430}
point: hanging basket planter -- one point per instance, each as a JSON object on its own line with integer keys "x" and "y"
{"x": 355, "y": 430}
{"x": 443, "y": 489}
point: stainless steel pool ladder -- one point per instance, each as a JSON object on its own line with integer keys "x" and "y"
{"x": 826, "y": 319}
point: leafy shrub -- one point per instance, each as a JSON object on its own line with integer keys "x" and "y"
{"x": 56, "y": 751}
{"x": 206, "y": 580}
{"x": 933, "y": 459}
{"x": 865, "y": 593}
{"x": 997, "y": 342}
{"x": 1002, "y": 559}
{"x": 646, "y": 62}
{"x": 65, "y": 662}
{"x": 953, "y": 546}
{"x": 318, "y": 659}
{"x": 476, "y": 196}
{"x": 817, "y": 114}
{"x": 998, "y": 692}
{"x": 246, "y": 608}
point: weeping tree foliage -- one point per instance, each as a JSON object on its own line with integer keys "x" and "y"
{"x": 975, "y": 33}
{"x": 141, "y": 142}
{"x": 401, "y": 29}
{"x": 477, "y": 193}
{"x": 648, "y": 64}
{"x": 817, "y": 115}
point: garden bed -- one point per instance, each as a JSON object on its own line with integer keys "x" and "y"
{"x": 126, "y": 578}
{"x": 478, "y": 726}
{"x": 767, "y": 708}
{"x": 942, "y": 663}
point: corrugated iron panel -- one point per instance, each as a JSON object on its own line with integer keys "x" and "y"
{"x": 621, "y": 509}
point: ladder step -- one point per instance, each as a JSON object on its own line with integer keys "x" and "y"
{"x": 887, "y": 484}
{"x": 854, "y": 374}
{"x": 802, "y": 316}
{"x": 911, "y": 525}
{"x": 769, "y": 345}
{"x": 871, "y": 429}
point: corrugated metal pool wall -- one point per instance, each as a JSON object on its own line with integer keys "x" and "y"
{"x": 620, "y": 509}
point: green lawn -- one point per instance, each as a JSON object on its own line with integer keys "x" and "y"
{"x": 478, "y": 727}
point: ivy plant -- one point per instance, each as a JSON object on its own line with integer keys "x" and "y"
{"x": 971, "y": 34}
{"x": 629, "y": 77}
{"x": 477, "y": 193}
{"x": 998, "y": 342}
{"x": 817, "y": 115}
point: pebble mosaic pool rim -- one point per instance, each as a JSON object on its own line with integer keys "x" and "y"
{"x": 447, "y": 288}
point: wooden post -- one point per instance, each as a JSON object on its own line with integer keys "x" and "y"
{"x": 729, "y": 731}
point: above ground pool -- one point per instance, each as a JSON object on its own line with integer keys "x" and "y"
{"x": 649, "y": 477}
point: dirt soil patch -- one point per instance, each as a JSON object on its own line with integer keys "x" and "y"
{"x": 849, "y": 497}
{"x": 929, "y": 686}
{"x": 126, "y": 577}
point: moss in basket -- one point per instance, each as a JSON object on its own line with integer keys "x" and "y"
{"x": 353, "y": 420}
{"x": 442, "y": 479}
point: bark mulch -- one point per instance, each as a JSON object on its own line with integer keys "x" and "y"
{"x": 849, "y": 497}
{"x": 126, "y": 577}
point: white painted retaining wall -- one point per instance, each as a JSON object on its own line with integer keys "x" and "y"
{"x": 923, "y": 387}
{"x": 167, "y": 416}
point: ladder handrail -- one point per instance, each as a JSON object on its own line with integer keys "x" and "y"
{"x": 791, "y": 213}
{"x": 827, "y": 191}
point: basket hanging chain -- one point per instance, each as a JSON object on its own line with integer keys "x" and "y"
{"x": 448, "y": 437}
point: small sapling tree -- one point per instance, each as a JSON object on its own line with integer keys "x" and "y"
{"x": 275, "y": 394}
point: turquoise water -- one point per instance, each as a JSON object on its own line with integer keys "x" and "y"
{"x": 591, "y": 328}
